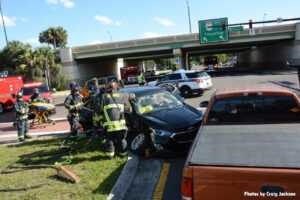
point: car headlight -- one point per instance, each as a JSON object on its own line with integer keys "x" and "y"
{"x": 162, "y": 133}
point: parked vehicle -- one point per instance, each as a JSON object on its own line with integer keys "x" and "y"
{"x": 9, "y": 85}
{"x": 248, "y": 145}
{"x": 27, "y": 91}
{"x": 160, "y": 122}
{"x": 211, "y": 63}
{"x": 189, "y": 82}
{"x": 150, "y": 73}
{"x": 129, "y": 74}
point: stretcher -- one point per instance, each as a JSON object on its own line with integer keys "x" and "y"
{"x": 41, "y": 110}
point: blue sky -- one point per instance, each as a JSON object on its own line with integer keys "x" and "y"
{"x": 89, "y": 21}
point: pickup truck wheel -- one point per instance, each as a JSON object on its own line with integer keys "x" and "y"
{"x": 186, "y": 91}
{"x": 1, "y": 108}
{"x": 139, "y": 144}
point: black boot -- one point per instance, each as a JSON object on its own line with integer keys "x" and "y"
{"x": 27, "y": 137}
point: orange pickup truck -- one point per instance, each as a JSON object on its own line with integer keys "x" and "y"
{"x": 248, "y": 146}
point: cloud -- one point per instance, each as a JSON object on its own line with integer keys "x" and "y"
{"x": 8, "y": 21}
{"x": 51, "y": 1}
{"x": 23, "y": 19}
{"x": 68, "y": 3}
{"x": 32, "y": 41}
{"x": 163, "y": 21}
{"x": 96, "y": 42}
{"x": 118, "y": 23}
{"x": 103, "y": 19}
{"x": 151, "y": 35}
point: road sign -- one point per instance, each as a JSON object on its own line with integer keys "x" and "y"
{"x": 177, "y": 60}
{"x": 211, "y": 31}
{"x": 251, "y": 31}
{"x": 237, "y": 28}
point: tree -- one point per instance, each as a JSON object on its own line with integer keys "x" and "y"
{"x": 16, "y": 58}
{"x": 57, "y": 36}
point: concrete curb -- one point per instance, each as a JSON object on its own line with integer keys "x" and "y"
{"x": 122, "y": 185}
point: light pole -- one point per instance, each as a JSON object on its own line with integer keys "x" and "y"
{"x": 109, "y": 36}
{"x": 188, "y": 8}
{"x": 264, "y": 18}
{"x": 3, "y": 24}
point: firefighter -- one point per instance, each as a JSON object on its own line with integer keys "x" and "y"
{"x": 140, "y": 79}
{"x": 74, "y": 103}
{"x": 112, "y": 105}
{"x": 93, "y": 89}
{"x": 21, "y": 120}
{"x": 36, "y": 97}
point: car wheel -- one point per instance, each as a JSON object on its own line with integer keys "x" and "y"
{"x": 186, "y": 91}
{"x": 139, "y": 144}
{"x": 1, "y": 108}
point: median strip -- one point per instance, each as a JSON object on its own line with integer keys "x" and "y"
{"x": 160, "y": 187}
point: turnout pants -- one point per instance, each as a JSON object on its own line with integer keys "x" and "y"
{"x": 119, "y": 136}
{"x": 74, "y": 121}
{"x": 23, "y": 128}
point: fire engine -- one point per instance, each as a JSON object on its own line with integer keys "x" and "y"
{"x": 129, "y": 74}
{"x": 9, "y": 85}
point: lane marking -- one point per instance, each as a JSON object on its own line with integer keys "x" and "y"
{"x": 160, "y": 187}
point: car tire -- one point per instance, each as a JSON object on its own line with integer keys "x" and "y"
{"x": 1, "y": 108}
{"x": 186, "y": 91}
{"x": 139, "y": 144}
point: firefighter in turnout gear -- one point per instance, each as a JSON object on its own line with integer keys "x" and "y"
{"x": 112, "y": 105}
{"x": 74, "y": 103}
{"x": 21, "y": 120}
{"x": 93, "y": 89}
{"x": 36, "y": 97}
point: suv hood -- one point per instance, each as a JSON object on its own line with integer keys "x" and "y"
{"x": 173, "y": 119}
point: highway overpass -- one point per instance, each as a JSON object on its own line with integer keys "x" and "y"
{"x": 83, "y": 62}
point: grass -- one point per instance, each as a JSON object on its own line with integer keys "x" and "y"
{"x": 97, "y": 174}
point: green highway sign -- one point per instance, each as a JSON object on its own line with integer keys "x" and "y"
{"x": 237, "y": 28}
{"x": 212, "y": 30}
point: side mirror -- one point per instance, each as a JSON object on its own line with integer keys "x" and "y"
{"x": 54, "y": 90}
{"x": 204, "y": 104}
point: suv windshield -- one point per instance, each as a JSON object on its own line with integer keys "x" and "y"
{"x": 157, "y": 102}
{"x": 29, "y": 90}
{"x": 255, "y": 109}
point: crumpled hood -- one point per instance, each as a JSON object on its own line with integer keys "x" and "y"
{"x": 173, "y": 119}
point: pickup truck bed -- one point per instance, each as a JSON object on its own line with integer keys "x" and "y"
{"x": 264, "y": 146}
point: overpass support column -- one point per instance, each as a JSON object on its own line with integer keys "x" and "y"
{"x": 70, "y": 67}
{"x": 183, "y": 61}
{"x": 296, "y": 46}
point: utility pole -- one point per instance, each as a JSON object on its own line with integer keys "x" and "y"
{"x": 3, "y": 24}
{"x": 188, "y": 8}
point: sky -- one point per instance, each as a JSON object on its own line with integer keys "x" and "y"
{"x": 101, "y": 21}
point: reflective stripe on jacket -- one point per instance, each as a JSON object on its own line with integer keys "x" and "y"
{"x": 112, "y": 106}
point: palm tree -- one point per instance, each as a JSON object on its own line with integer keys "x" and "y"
{"x": 57, "y": 36}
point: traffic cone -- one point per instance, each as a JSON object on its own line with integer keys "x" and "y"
{"x": 63, "y": 172}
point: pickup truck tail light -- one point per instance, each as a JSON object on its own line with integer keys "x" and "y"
{"x": 198, "y": 80}
{"x": 187, "y": 189}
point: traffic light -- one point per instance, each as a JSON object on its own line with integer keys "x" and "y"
{"x": 250, "y": 23}
{"x": 223, "y": 26}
